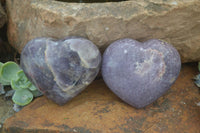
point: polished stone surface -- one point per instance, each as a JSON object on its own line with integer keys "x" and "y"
{"x": 139, "y": 73}
{"x": 61, "y": 69}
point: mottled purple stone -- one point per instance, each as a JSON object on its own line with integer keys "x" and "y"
{"x": 139, "y": 73}
{"x": 61, "y": 69}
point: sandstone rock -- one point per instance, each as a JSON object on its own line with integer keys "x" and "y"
{"x": 98, "y": 110}
{"x": 177, "y": 22}
{"x": 3, "y": 17}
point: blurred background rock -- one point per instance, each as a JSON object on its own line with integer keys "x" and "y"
{"x": 6, "y": 51}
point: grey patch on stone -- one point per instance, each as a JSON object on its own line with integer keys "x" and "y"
{"x": 9, "y": 94}
{"x": 81, "y": 130}
{"x": 198, "y": 104}
{"x": 77, "y": 129}
{"x": 2, "y": 91}
{"x": 17, "y": 108}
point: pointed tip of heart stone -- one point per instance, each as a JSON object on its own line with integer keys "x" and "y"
{"x": 61, "y": 69}
{"x": 139, "y": 73}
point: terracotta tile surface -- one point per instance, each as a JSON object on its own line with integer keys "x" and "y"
{"x": 98, "y": 110}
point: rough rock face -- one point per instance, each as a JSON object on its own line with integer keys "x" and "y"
{"x": 3, "y": 17}
{"x": 61, "y": 69}
{"x": 98, "y": 110}
{"x": 139, "y": 73}
{"x": 175, "y": 21}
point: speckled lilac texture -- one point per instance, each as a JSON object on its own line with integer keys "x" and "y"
{"x": 139, "y": 73}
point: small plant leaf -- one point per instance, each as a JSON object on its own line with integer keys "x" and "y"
{"x": 9, "y": 71}
{"x": 1, "y": 64}
{"x": 3, "y": 82}
{"x": 22, "y": 75}
{"x": 14, "y": 85}
{"x": 34, "y": 90}
{"x": 22, "y": 97}
{"x": 32, "y": 87}
{"x": 21, "y": 82}
{"x": 199, "y": 66}
{"x": 37, "y": 93}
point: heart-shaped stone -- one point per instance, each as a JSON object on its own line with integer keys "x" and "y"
{"x": 139, "y": 73}
{"x": 61, "y": 69}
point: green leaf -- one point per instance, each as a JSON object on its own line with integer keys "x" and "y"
{"x": 37, "y": 93}
{"x": 15, "y": 85}
{"x": 22, "y": 75}
{"x": 32, "y": 87}
{"x": 9, "y": 71}
{"x": 1, "y": 64}
{"x": 199, "y": 66}
{"x": 3, "y": 82}
{"x": 22, "y": 82}
{"x": 22, "y": 97}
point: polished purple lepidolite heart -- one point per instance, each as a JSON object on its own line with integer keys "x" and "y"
{"x": 61, "y": 69}
{"x": 139, "y": 73}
